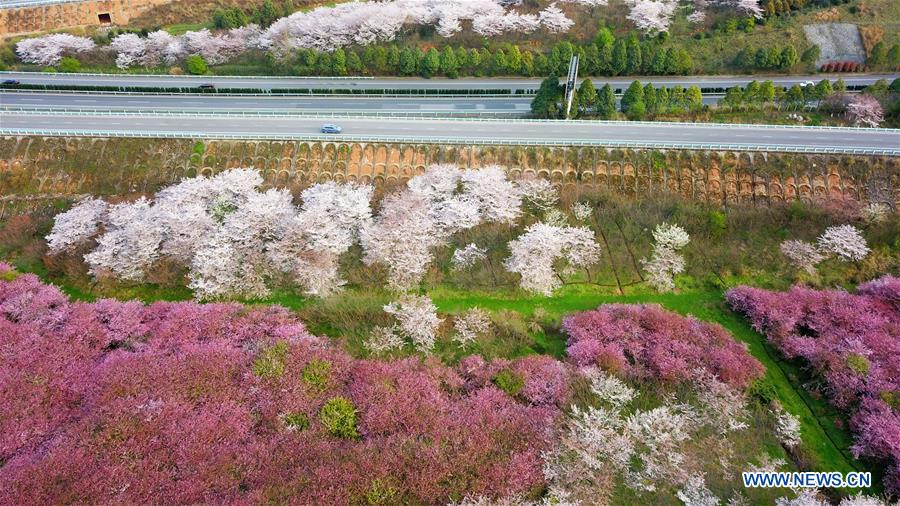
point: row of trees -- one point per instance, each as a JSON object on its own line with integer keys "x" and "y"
{"x": 263, "y": 15}
{"x": 637, "y": 101}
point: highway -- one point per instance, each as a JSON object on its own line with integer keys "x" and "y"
{"x": 451, "y": 106}
{"x": 508, "y": 105}
{"x": 649, "y": 134}
{"x": 268, "y": 83}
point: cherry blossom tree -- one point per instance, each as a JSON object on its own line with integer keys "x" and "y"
{"x": 464, "y": 258}
{"x": 435, "y": 205}
{"x": 538, "y": 195}
{"x": 417, "y": 320}
{"x": 471, "y": 324}
{"x": 49, "y": 49}
{"x": 130, "y": 243}
{"x": 865, "y": 110}
{"x": 535, "y": 253}
{"x": 401, "y": 237}
{"x": 844, "y": 241}
{"x": 582, "y": 210}
{"x": 652, "y": 15}
{"x": 554, "y": 20}
{"x": 77, "y": 225}
{"x": 802, "y": 254}
{"x": 666, "y": 262}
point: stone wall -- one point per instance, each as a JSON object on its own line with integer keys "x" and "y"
{"x": 73, "y": 14}
{"x": 42, "y": 169}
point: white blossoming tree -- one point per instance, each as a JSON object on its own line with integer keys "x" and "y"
{"x": 844, "y": 241}
{"x": 50, "y": 49}
{"x": 77, "y": 225}
{"x": 417, "y": 320}
{"x": 802, "y": 255}
{"x": 666, "y": 261}
{"x": 536, "y": 254}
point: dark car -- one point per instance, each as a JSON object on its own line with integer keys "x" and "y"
{"x": 207, "y": 86}
{"x": 11, "y": 81}
{"x": 331, "y": 129}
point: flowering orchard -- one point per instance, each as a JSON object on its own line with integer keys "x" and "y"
{"x": 329, "y": 28}
{"x": 235, "y": 240}
{"x": 217, "y": 403}
{"x": 647, "y": 342}
{"x": 853, "y": 342}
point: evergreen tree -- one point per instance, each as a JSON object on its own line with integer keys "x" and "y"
{"x": 449, "y": 65}
{"x": 560, "y": 56}
{"x": 409, "y": 62}
{"x": 676, "y": 99}
{"x": 462, "y": 58}
{"x": 324, "y": 65}
{"x": 633, "y": 101}
{"x": 811, "y": 54}
{"x": 662, "y": 100}
{"x": 431, "y": 63}
{"x": 823, "y": 89}
{"x": 694, "y": 98}
{"x": 266, "y": 14}
{"x": 604, "y": 36}
{"x": 590, "y": 64}
{"x": 527, "y": 68}
{"x": 893, "y": 56}
{"x": 587, "y": 97}
{"x": 788, "y": 57}
{"x": 733, "y": 98}
{"x": 606, "y": 101}
{"x": 541, "y": 64}
{"x": 619, "y": 58}
{"x": 751, "y": 92}
{"x": 632, "y": 55}
{"x": 840, "y": 86}
{"x": 499, "y": 64}
{"x": 546, "y": 103}
{"x": 339, "y": 62}
{"x": 650, "y": 99}
{"x": 354, "y": 63}
{"x": 513, "y": 60}
{"x": 475, "y": 61}
{"x": 380, "y": 62}
{"x": 393, "y": 60}
{"x": 878, "y": 55}
{"x": 767, "y": 92}
{"x": 604, "y": 59}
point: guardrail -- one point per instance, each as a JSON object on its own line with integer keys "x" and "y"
{"x": 268, "y": 113}
{"x": 274, "y": 92}
{"x": 35, "y": 3}
{"x": 450, "y": 140}
{"x": 64, "y": 75}
{"x": 300, "y": 114}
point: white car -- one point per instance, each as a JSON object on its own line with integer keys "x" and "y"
{"x": 807, "y": 83}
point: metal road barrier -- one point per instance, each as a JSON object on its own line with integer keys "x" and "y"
{"x": 64, "y": 75}
{"x": 34, "y": 3}
{"x": 449, "y": 140}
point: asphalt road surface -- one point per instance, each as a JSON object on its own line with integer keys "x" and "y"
{"x": 410, "y": 83}
{"x": 650, "y": 134}
{"x": 506, "y": 105}
{"x": 369, "y": 105}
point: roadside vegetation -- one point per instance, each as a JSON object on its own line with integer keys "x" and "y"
{"x": 469, "y": 299}
{"x": 722, "y": 40}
